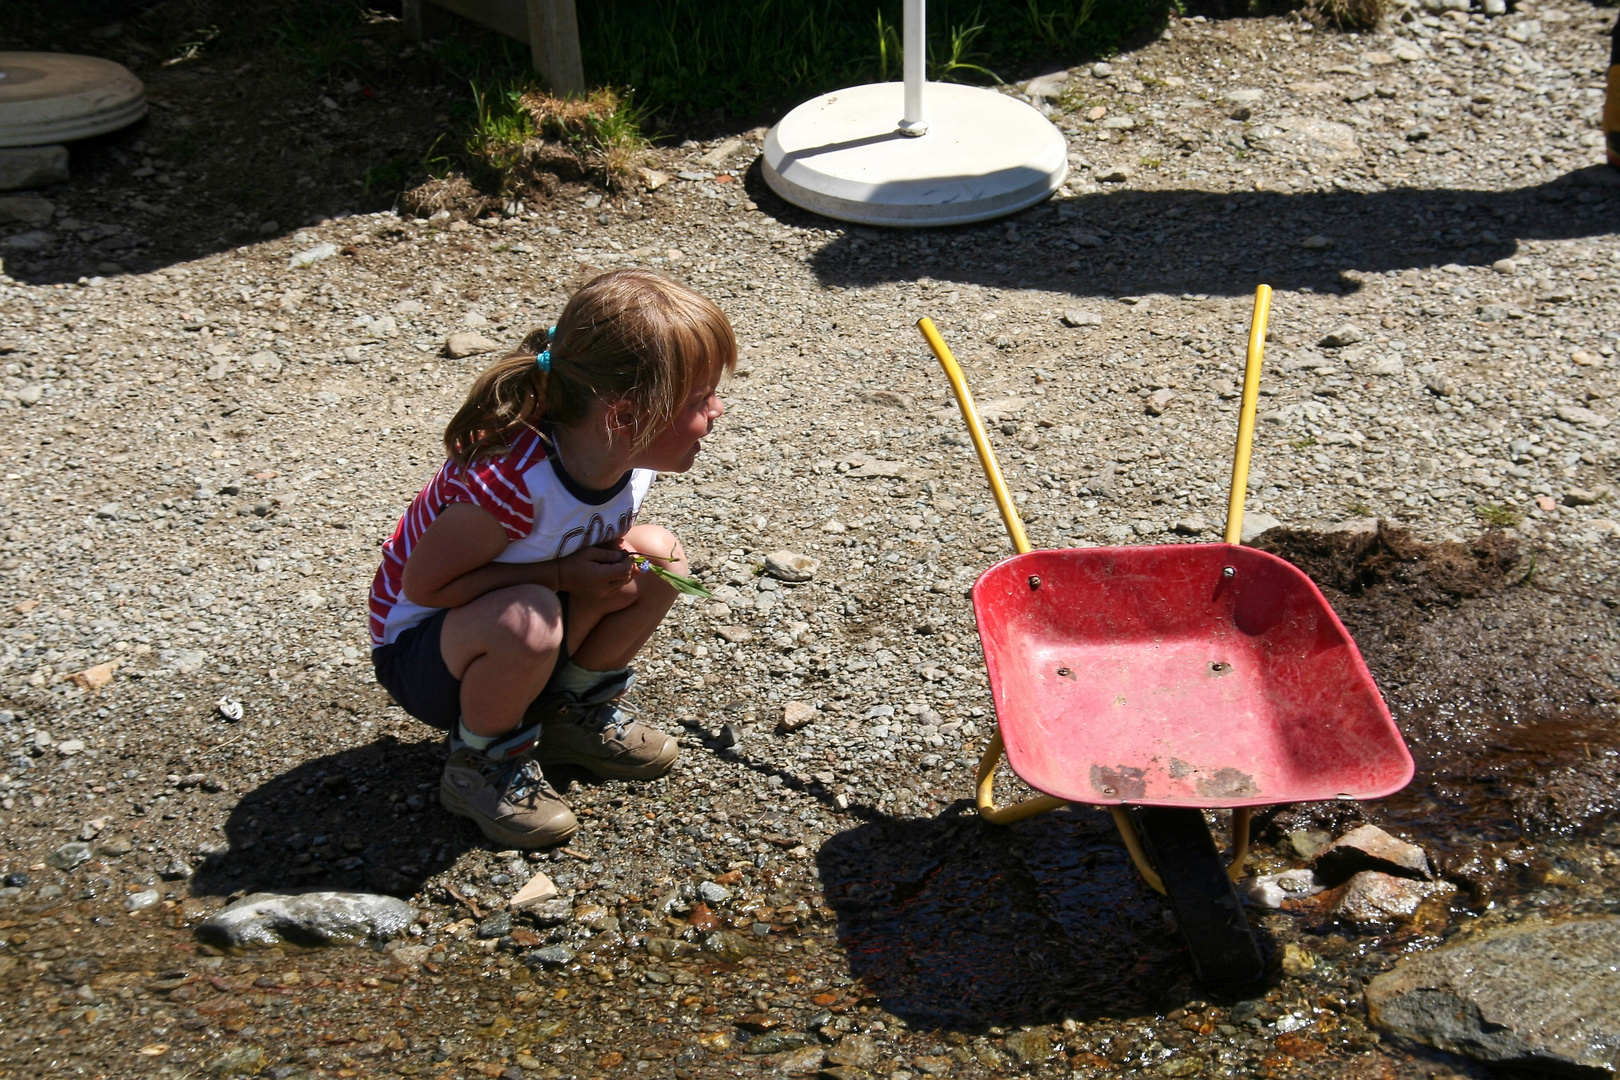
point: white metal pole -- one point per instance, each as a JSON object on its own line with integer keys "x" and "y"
{"x": 914, "y": 50}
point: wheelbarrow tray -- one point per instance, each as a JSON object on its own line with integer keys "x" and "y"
{"x": 1206, "y": 675}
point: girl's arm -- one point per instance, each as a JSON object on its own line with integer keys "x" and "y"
{"x": 452, "y": 564}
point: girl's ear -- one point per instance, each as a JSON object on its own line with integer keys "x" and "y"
{"x": 621, "y": 418}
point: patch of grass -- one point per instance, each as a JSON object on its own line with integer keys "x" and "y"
{"x": 502, "y": 128}
{"x": 1348, "y": 14}
{"x": 1150, "y": 162}
{"x": 1496, "y": 516}
{"x": 603, "y": 128}
{"x": 1304, "y": 444}
{"x": 324, "y": 39}
{"x": 1360, "y": 509}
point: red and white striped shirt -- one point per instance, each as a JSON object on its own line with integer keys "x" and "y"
{"x": 545, "y": 512}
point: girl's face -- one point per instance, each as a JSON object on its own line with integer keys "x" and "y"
{"x": 677, "y": 448}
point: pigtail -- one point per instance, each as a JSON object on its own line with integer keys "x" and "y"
{"x": 509, "y": 397}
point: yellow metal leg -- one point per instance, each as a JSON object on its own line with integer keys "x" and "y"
{"x": 1240, "y": 842}
{"x": 1133, "y": 844}
{"x": 1005, "y": 815}
{"x": 1127, "y": 830}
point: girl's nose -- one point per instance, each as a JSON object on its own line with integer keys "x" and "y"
{"x": 717, "y": 410}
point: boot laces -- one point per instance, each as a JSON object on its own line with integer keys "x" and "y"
{"x": 611, "y": 716}
{"x": 522, "y": 781}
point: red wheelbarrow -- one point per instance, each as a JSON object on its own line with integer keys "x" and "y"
{"x": 1163, "y": 680}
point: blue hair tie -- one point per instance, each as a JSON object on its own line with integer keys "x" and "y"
{"x": 543, "y": 360}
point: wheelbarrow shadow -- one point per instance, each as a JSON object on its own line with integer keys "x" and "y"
{"x": 955, "y": 923}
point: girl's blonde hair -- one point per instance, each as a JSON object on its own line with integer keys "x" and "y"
{"x": 629, "y": 335}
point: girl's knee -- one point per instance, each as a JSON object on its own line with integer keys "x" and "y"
{"x": 661, "y": 544}
{"x": 530, "y": 618}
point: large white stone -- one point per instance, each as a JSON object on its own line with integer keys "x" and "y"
{"x": 32, "y": 166}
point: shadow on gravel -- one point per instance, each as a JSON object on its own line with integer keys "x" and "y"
{"x": 1220, "y": 243}
{"x": 364, "y": 818}
{"x": 955, "y": 923}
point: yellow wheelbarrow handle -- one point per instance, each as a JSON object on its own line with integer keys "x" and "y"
{"x": 984, "y": 792}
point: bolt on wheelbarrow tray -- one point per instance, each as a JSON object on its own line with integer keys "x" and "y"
{"x": 1164, "y": 680}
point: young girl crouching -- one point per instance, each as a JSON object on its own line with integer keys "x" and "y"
{"x": 507, "y": 609}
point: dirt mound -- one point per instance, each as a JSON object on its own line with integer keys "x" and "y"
{"x": 1509, "y": 723}
{"x": 1354, "y": 563}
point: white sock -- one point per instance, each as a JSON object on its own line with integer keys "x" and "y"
{"x": 477, "y": 742}
{"x": 578, "y": 680}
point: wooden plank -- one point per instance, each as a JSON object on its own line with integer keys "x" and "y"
{"x": 502, "y": 16}
{"x": 551, "y": 27}
{"x": 554, "y": 40}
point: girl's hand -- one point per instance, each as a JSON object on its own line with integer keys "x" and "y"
{"x": 594, "y": 573}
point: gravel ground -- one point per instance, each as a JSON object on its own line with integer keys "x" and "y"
{"x": 202, "y": 460}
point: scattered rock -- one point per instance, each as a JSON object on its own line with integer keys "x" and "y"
{"x": 32, "y": 166}
{"x": 1581, "y": 416}
{"x": 141, "y": 901}
{"x": 1256, "y": 524}
{"x": 795, "y": 715}
{"x": 1191, "y": 525}
{"x": 1306, "y": 138}
{"x": 1342, "y": 335}
{"x": 311, "y": 256}
{"x": 496, "y": 925}
{"x": 69, "y": 855}
{"x": 458, "y": 346}
{"x": 721, "y": 154}
{"x": 652, "y": 179}
{"x": 1297, "y": 960}
{"x": 1316, "y": 243}
{"x": 535, "y": 891}
{"x": 34, "y": 240}
{"x": 1159, "y": 401}
{"x": 1079, "y": 317}
{"x": 1113, "y": 174}
{"x": 805, "y": 1060}
{"x": 1360, "y": 526}
{"x": 1371, "y": 898}
{"x": 26, "y": 210}
{"x": 791, "y": 566}
{"x": 552, "y": 956}
{"x": 1581, "y": 497}
{"x": 1048, "y": 87}
{"x": 857, "y": 1051}
{"x": 1367, "y": 847}
{"x": 1272, "y": 890}
{"x": 713, "y": 892}
{"x": 894, "y": 399}
{"x": 308, "y": 919}
{"x": 729, "y": 945}
{"x": 237, "y": 1061}
{"x": 1030, "y": 1048}
{"x": 1543, "y": 996}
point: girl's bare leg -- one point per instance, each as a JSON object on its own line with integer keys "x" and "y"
{"x": 606, "y": 634}
{"x": 503, "y": 647}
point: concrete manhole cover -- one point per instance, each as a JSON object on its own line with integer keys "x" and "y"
{"x": 59, "y": 97}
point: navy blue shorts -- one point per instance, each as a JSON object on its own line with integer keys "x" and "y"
{"x": 412, "y": 669}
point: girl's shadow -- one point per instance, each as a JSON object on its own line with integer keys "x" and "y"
{"x": 365, "y": 818}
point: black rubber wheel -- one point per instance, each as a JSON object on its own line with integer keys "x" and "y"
{"x": 1208, "y": 912}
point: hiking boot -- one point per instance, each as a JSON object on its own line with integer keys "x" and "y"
{"x": 595, "y": 731}
{"x": 504, "y": 793}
